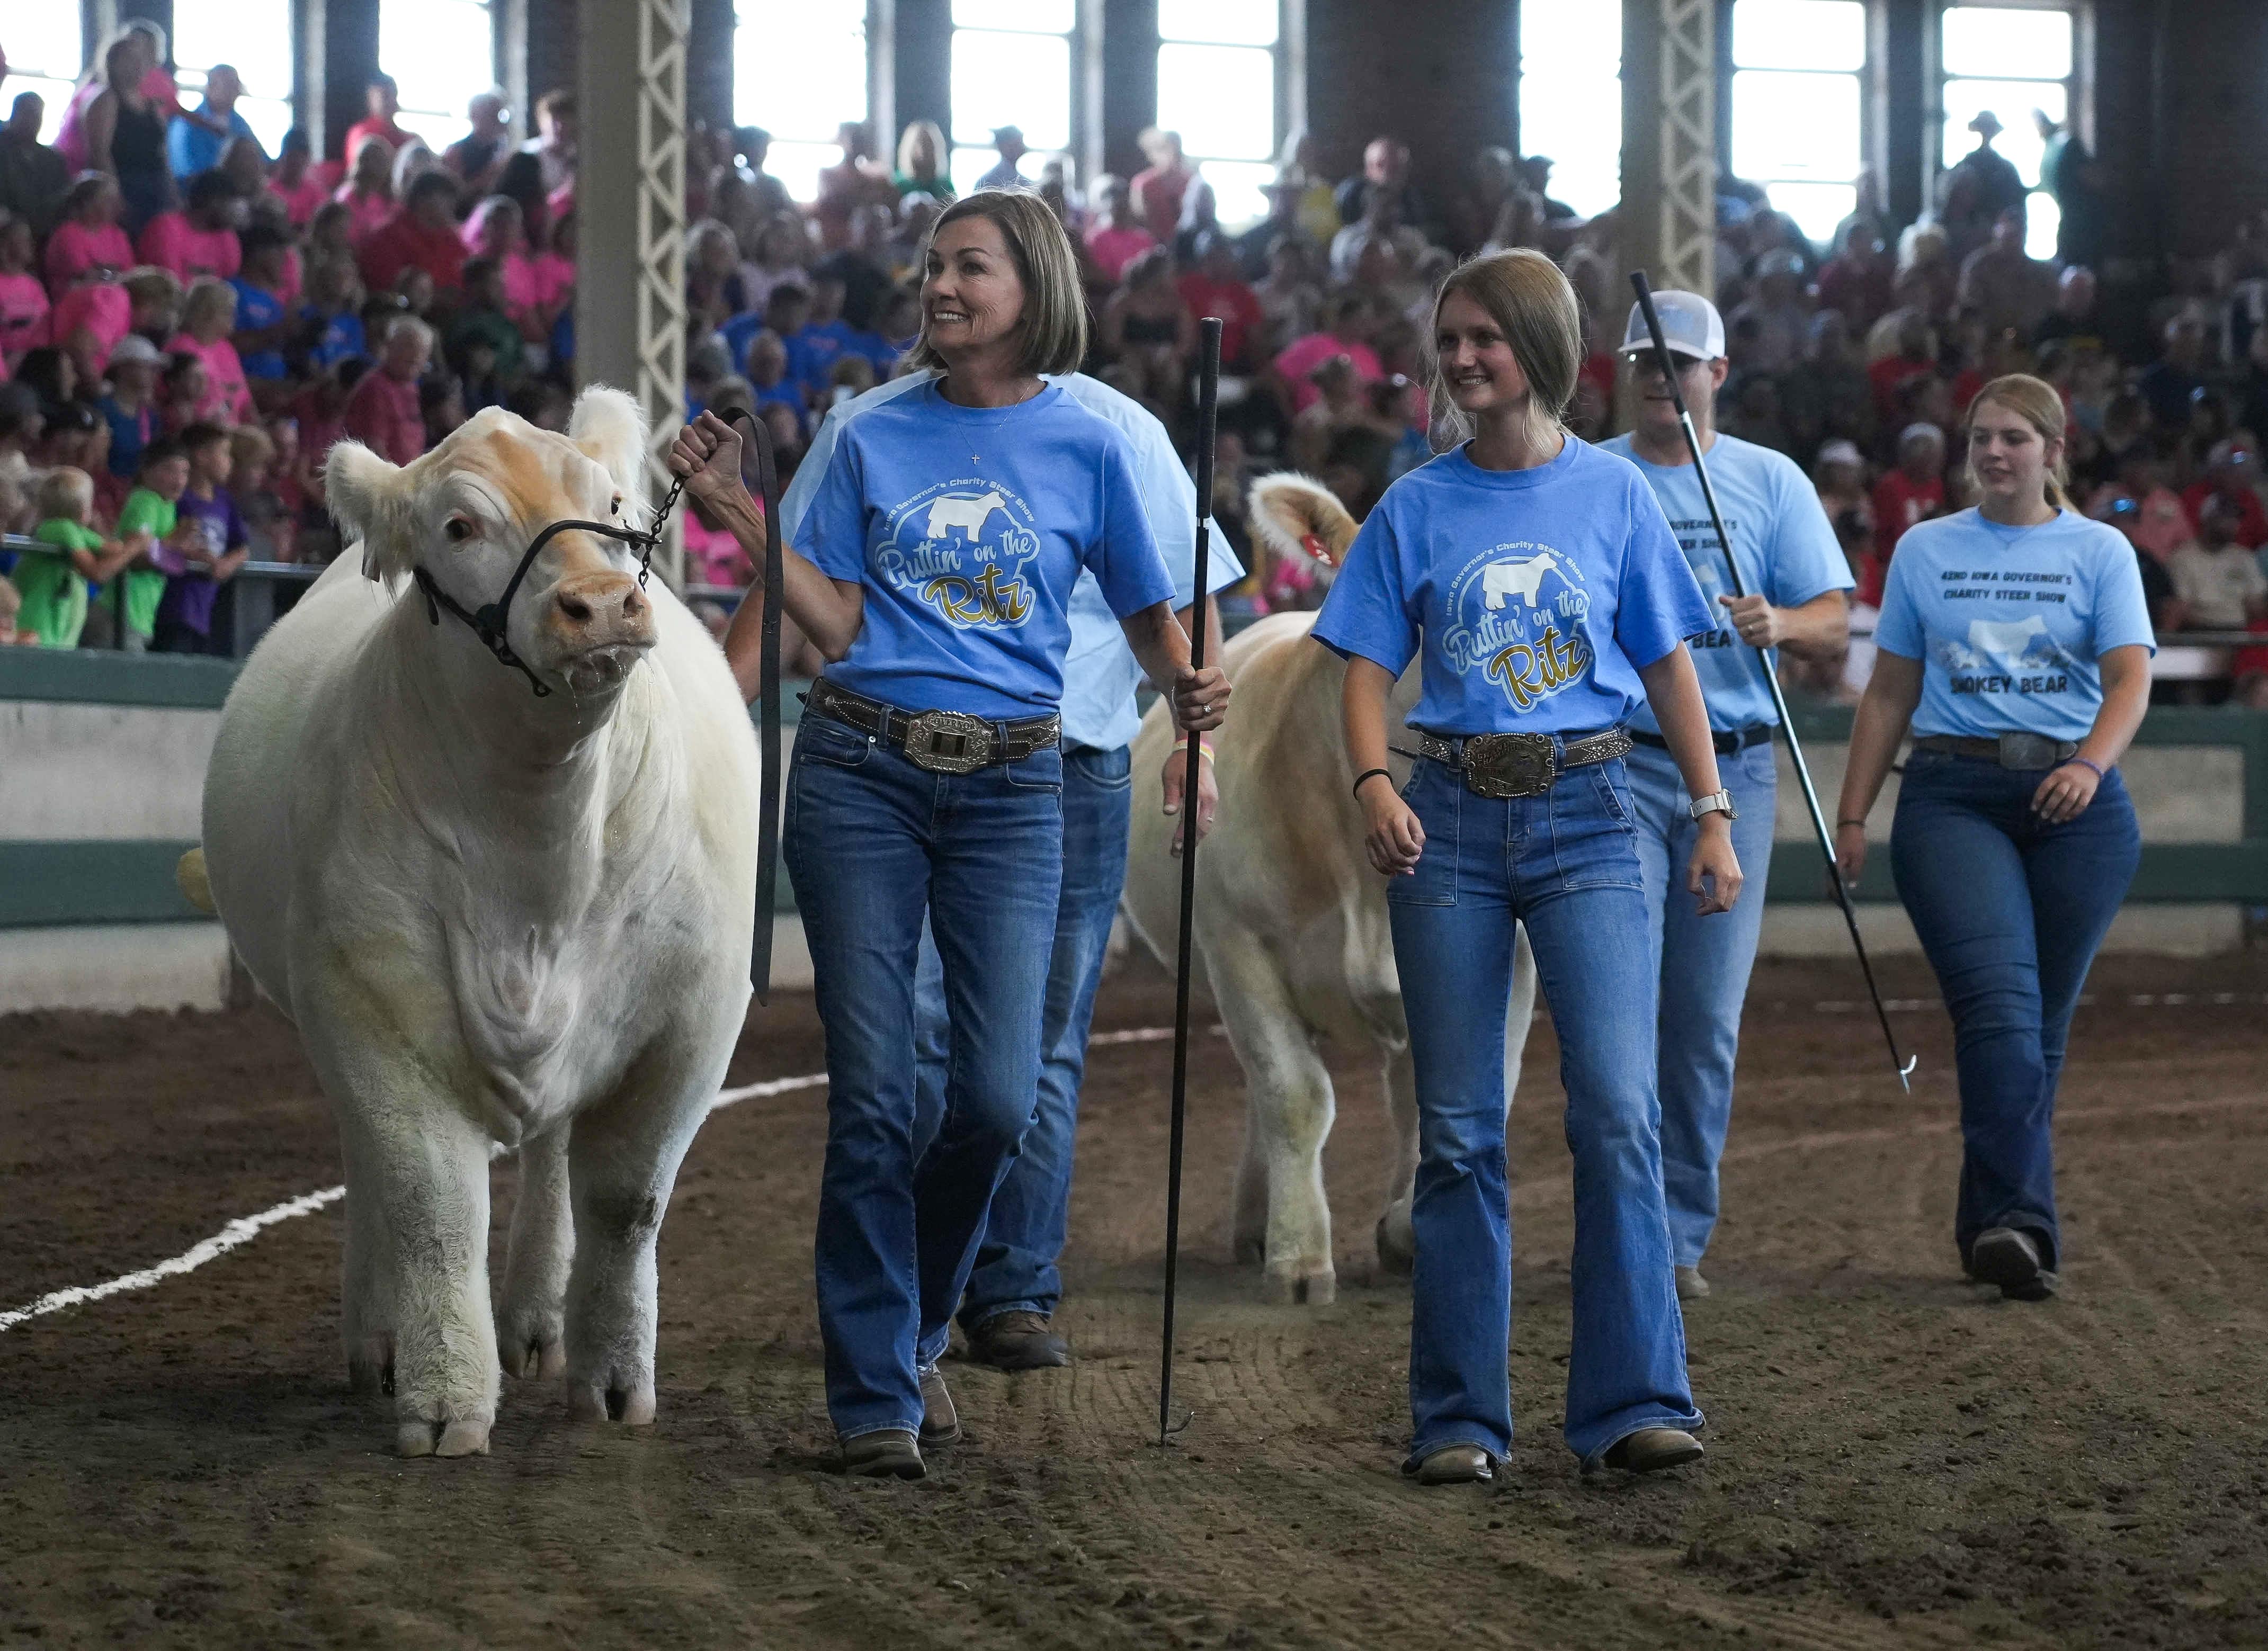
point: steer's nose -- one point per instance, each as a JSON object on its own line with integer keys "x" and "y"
{"x": 601, "y": 609}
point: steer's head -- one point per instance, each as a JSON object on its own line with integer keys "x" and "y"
{"x": 467, "y": 511}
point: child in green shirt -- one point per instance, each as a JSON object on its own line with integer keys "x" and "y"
{"x": 150, "y": 520}
{"x": 53, "y": 580}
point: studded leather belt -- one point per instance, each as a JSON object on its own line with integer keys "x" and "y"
{"x": 2010, "y": 750}
{"x": 942, "y": 742}
{"x": 1520, "y": 765}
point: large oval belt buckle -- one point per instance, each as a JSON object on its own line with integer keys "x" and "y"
{"x": 949, "y": 742}
{"x": 1510, "y": 765}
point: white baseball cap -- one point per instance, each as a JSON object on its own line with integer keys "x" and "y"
{"x": 1690, "y": 325}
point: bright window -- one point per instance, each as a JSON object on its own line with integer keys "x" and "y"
{"x": 2011, "y": 61}
{"x": 253, "y": 37}
{"x": 799, "y": 72}
{"x": 46, "y": 52}
{"x": 1217, "y": 88}
{"x": 1010, "y": 67}
{"x": 1797, "y": 68}
{"x": 1571, "y": 99}
{"x": 441, "y": 55}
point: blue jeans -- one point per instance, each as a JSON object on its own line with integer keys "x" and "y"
{"x": 2010, "y": 910}
{"x": 1565, "y": 864}
{"x": 1703, "y": 964}
{"x": 875, "y": 846}
{"x": 1016, "y": 1262}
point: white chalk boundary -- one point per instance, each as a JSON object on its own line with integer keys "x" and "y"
{"x": 245, "y": 1228}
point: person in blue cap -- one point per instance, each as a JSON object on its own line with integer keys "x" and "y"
{"x": 1534, "y": 577}
{"x": 1795, "y": 575}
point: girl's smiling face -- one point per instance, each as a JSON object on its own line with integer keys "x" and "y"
{"x": 2010, "y": 460}
{"x": 1477, "y": 365}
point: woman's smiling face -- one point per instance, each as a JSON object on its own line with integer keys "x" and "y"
{"x": 972, "y": 295}
{"x": 1477, "y": 364}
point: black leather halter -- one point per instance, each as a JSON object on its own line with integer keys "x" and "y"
{"x": 489, "y": 623}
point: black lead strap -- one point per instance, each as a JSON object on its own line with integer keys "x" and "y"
{"x": 491, "y": 623}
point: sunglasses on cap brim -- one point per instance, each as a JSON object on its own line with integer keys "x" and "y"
{"x": 1643, "y": 356}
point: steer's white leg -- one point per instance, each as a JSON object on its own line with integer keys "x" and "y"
{"x": 1397, "y": 1245}
{"x": 622, "y": 1160}
{"x": 1518, "y": 1015}
{"x": 532, "y": 1326}
{"x": 366, "y": 1314}
{"x": 427, "y": 1170}
{"x": 1289, "y": 1116}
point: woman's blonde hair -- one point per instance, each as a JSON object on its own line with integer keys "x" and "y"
{"x": 1054, "y": 325}
{"x": 918, "y": 135}
{"x": 206, "y": 293}
{"x": 2039, "y": 404}
{"x": 66, "y": 491}
{"x": 1533, "y": 306}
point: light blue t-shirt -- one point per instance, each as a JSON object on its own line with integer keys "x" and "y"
{"x": 2010, "y": 622}
{"x": 1537, "y": 594}
{"x": 968, "y": 527}
{"x": 1100, "y": 673}
{"x": 1782, "y": 542}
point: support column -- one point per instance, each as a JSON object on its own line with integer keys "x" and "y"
{"x": 629, "y": 299}
{"x": 1669, "y": 142}
{"x": 348, "y": 40}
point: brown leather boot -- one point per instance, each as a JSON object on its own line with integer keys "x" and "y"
{"x": 940, "y": 1420}
{"x": 1649, "y": 1449}
{"x": 1456, "y": 1464}
{"x": 1017, "y": 1341}
{"x": 890, "y": 1454}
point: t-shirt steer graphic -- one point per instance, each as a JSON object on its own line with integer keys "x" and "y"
{"x": 1516, "y": 614}
{"x": 965, "y": 548}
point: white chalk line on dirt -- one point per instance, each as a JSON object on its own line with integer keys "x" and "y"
{"x": 246, "y": 1228}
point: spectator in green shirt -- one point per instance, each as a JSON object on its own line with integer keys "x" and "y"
{"x": 53, "y": 580}
{"x": 149, "y": 512}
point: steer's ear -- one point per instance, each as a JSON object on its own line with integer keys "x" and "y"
{"x": 609, "y": 426}
{"x": 370, "y": 501}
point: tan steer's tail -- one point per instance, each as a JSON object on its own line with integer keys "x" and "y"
{"x": 190, "y": 872}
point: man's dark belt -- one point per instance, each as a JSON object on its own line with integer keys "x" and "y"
{"x": 1729, "y": 743}
{"x": 2010, "y": 750}
{"x": 942, "y": 742}
{"x": 1520, "y": 765}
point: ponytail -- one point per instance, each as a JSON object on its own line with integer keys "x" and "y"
{"x": 2040, "y": 405}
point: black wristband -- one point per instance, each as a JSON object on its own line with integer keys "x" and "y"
{"x": 1368, "y": 775}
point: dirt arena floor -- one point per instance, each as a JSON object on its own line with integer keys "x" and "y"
{"x": 1897, "y": 1459}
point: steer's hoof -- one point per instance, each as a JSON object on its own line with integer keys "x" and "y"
{"x": 539, "y": 1358}
{"x": 1398, "y": 1246}
{"x": 1293, "y": 1287}
{"x": 441, "y": 1439}
{"x": 632, "y": 1406}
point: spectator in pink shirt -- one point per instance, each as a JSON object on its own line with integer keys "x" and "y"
{"x": 199, "y": 240}
{"x": 23, "y": 300}
{"x": 91, "y": 317}
{"x": 1158, "y": 188}
{"x": 1114, "y": 238}
{"x": 382, "y": 411}
{"x": 88, "y": 235}
{"x": 295, "y": 183}
{"x": 1350, "y": 329}
{"x": 207, "y": 315}
{"x": 368, "y": 195}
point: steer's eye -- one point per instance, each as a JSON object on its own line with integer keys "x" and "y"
{"x": 458, "y": 529}
{"x": 615, "y": 508}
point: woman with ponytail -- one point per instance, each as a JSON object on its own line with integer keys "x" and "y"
{"x": 2015, "y": 642}
{"x": 1537, "y": 582}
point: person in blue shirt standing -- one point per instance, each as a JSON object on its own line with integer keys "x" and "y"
{"x": 194, "y": 141}
{"x": 1536, "y": 579}
{"x": 1795, "y": 576}
{"x": 1008, "y": 1309}
{"x": 2016, "y": 642}
{"x": 934, "y": 571}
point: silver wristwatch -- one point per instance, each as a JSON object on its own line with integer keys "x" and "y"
{"x": 1715, "y": 802}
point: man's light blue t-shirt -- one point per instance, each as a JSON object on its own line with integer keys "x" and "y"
{"x": 190, "y": 149}
{"x": 1537, "y": 594}
{"x": 969, "y": 528}
{"x": 1783, "y": 543}
{"x": 2010, "y": 622}
{"x": 1100, "y": 673}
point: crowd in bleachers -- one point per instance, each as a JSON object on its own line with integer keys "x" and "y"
{"x": 161, "y": 279}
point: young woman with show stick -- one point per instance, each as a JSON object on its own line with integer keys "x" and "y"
{"x": 1540, "y": 582}
{"x": 2015, "y": 642}
{"x": 934, "y": 572}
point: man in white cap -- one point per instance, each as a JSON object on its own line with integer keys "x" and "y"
{"x": 1796, "y": 576}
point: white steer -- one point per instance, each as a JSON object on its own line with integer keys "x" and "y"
{"x": 2005, "y": 639}
{"x": 498, "y": 920}
{"x": 1522, "y": 579}
{"x": 1291, "y": 922}
{"x": 968, "y": 514}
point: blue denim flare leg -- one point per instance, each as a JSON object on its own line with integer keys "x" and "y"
{"x": 1565, "y": 864}
{"x": 2010, "y": 910}
{"x": 876, "y": 846}
{"x": 1016, "y": 1263}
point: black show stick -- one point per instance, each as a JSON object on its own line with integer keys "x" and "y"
{"x": 1208, "y": 422}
